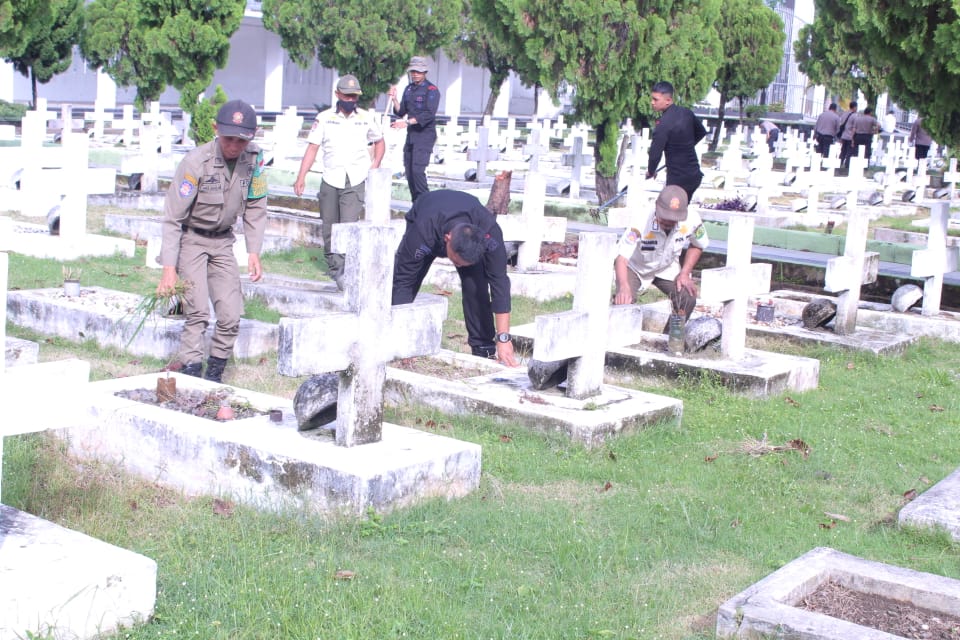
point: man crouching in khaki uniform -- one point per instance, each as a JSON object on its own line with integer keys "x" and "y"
{"x": 214, "y": 185}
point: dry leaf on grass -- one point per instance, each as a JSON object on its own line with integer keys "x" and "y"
{"x": 828, "y": 525}
{"x": 344, "y": 574}
{"x": 505, "y": 438}
{"x": 606, "y": 487}
{"x": 755, "y": 447}
{"x": 909, "y": 494}
{"x": 836, "y": 516}
{"x": 936, "y": 408}
{"x": 222, "y": 507}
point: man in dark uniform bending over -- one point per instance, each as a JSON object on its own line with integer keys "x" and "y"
{"x": 676, "y": 135}
{"x": 455, "y": 225}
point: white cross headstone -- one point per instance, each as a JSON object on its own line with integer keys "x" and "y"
{"x": 856, "y": 267}
{"x": 582, "y": 333}
{"x": 950, "y": 178}
{"x": 359, "y": 342}
{"x": 577, "y": 160}
{"x": 934, "y": 261}
{"x": 531, "y": 227}
{"x": 377, "y": 195}
{"x": 99, "y": 118}
{"x": 483, "y": 153}
{"x": 733, "y": 284}
{"x": 534, "y": 148}
{"x": 286, "y": 133}
{"x": 128, "y": 124}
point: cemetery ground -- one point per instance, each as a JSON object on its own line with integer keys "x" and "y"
{"x": 642, "y": 537}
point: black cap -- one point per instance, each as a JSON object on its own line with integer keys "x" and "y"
{"x": 237, "y": 119}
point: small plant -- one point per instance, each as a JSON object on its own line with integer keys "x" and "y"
{"x": 72, "y": 274}
{"x": 737, "y": 203}
{"x": 167, "y": 303}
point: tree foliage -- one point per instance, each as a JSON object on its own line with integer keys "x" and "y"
{"x": 38, "y": 38}
{"x": 611, "y": 51}
{"x": 152, "y": 44}
{"x": 484, "y": 49}
{"x": 752, "y": 35}
{"x": 374, "y": 39}
{"x": 833, "y": 51}
{"x": 918, "y": 41}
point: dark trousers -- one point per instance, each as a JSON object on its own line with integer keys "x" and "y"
{"x": 412, "y": 263}
{"x": 920, "y": 151}
{"x": 690, "y": 185}
{"x": 824, "y": 142}
{"x": 846, "y": 150}
{"x": 416, "y": 157}
{"x": 860, "y": 140}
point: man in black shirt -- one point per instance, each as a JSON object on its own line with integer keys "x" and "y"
{"x": 457, "y": 226}
{"x": 676, "y": 134}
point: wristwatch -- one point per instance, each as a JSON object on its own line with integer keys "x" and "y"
{"x": 504, "y": 337}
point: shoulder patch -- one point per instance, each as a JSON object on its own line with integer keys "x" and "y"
{"x": 187, "y": 187}
{"x": 700, "y": 232}
{"x": 631, "y": 236}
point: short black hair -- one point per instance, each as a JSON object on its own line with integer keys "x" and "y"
{"x": 867, "y": 111}
{"x": 467, "y": 241}
{"x": 832, "y": 107}
{"x": 853, "y": 104}
{"x": 663, "y": 87}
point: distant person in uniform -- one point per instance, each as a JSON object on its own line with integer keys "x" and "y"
{"x": 920, "y": 139}
{"x": 828, "y": 123}
{"x": 455, "y": 225}
{"x": 342, "y": 135}
{"x": 846, "y": 133}
{"x": 864, "y": 128}
{"x": 772, "y": 133}
{"x": 215, "y": 184}
{"x": 675, "y": 136}
{"x": 418, "y": 112}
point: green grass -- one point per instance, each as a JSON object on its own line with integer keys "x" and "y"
{"x": 642, "y": 537}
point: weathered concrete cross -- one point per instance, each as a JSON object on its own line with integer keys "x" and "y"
{"x": 534, "y": 148}
{"x": 856, "y": 267}
{"x": 934, "y": 261}
{"x": 359, "y": 342}
{"x": 578, "y": 160}
{"x": 531, "y": 227}
{"x": 585, "y": 332}
{"x": 483, "y": 153}
{"x": 734, "y": 283}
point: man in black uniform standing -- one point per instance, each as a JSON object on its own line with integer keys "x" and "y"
{"x": 419, "y": 107}
{"x": 457, "y": 226}
{"x": 676, "y": 135}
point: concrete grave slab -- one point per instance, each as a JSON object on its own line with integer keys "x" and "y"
{"x": 892, "y": 330}
{"x": 769, "y": 607}
{"x": 20, "y": 352}
{"x": 297, "y": 297}
{"x": 59, "y": 583}
{"x": 506, "y": 394}
{"x": 756, "y": 373}
{"x": 267, "y": 464}
{"x": 35, "y": 240}
{"x": 937, "y": 507}
{"x": 547, "y": 282}
{"x": 789, "y": 327}
{"x": 109, "y": 318}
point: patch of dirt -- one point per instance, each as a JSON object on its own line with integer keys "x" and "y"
{"x": 197, "y": 402}
{"x": 439, "y": 368}
{"x": 877, "y": 612}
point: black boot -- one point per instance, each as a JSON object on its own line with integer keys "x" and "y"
{"x": 215, "y": 367}
{"x": 192, "y": 369}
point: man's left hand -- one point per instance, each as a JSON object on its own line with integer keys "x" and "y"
{"x": 685, "y": 281}
{"x": 505, "y": 354}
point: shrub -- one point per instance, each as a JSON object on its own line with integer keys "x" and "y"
{"x": 203, "y": 115}
{"x": 12, "y": 111}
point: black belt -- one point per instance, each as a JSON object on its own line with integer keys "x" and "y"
{"x": 208, "y": 234}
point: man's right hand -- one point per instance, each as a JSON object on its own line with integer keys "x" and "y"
{"x": 299, "y": 186}
{"x": 624, "y": 296}
{"x": 168, "y": 281}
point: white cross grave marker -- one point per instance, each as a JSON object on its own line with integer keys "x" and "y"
{"x": 856, "y": 267}
{"x": 482, "y": 153}
{"x": 99, "y": 118}
{"x": 576, "y": 159}
{"x": 734, "y": 283}
{"x": 128, "y": 124}
{"x": 359, "y": 342}
{"x": 937, "y": 259}
{"x": 582, "y": 333}
{"x": 534, "y": 148}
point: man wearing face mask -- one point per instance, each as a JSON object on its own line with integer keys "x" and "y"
{"x": 344, "y": 134}
{"x": 417, "y": 110}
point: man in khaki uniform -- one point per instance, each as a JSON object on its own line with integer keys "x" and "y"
{"x": 214, "y": 185}
{"x": 342, "y": 135}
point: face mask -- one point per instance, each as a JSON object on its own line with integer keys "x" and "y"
{"x": 346, "y": 106}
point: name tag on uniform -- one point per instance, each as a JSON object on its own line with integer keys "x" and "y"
{"x": 211, "y": 183}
